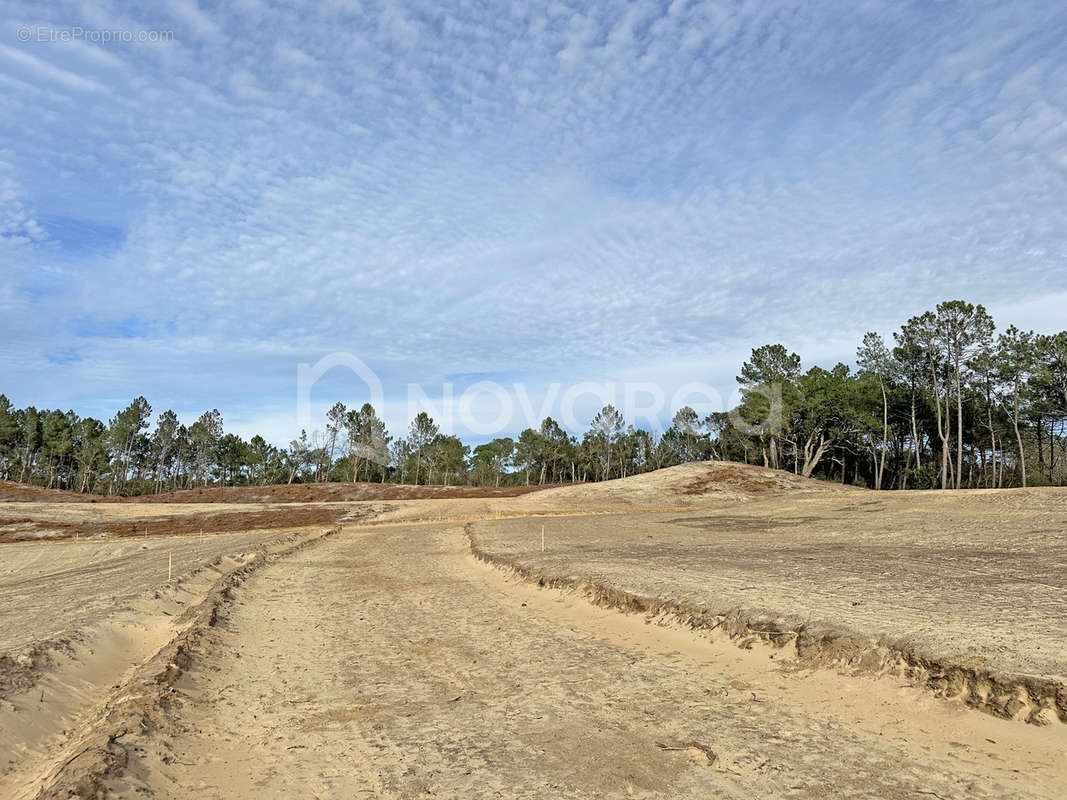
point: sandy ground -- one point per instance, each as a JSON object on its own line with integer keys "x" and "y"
{"x": 386, "y": 660}
{"x": 978, "y": 577}
{"x": 391, "y": 665}
{"x": 51, "y": 591}
{"x": 80, "y": 624}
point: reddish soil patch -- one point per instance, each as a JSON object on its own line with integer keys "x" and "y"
{"x": 26, "y": 529}
{"x": 11, "y": 492}
{"x": 333, "y": 492}
{"x": 292, "y": 493}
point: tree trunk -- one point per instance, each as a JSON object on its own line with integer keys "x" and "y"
{"x": 942, "y": 433}
{"x": 959, "y": 428}
{"x": 1018, "y": 436}
{"x": 944, "y": 462}
{"x": 885, "y": 437}
{"x": 813, "y": 454}
{"x": 915, "y": 435}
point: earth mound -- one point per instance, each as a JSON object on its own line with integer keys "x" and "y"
{"x": 685, "y": 485}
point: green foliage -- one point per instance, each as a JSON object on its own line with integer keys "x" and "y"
{"x": 490, "y": 462}
{"x": 947, "y": 405}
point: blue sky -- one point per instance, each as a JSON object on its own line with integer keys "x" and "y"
{"x": 526, "y": 192}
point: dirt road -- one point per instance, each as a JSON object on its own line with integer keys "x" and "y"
{"x": 389, "y": 663}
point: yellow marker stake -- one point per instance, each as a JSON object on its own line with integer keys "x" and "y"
{"x": 170, "y": 561}
{"x": 542, "y": 538}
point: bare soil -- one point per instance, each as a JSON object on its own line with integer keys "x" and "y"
{"x": 29, "y": 520}
{"x": 288, "y": 493}
{"x": 27, "y": 528}
{"x": 51, "y": 593}
{"x": 390, "y": 665}
{"x": 964, "y": 591}
{"x": 12, "y": 492}
{"x": 785, "y": 638}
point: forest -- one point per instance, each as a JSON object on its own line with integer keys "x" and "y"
{"x": 947, "y": 402}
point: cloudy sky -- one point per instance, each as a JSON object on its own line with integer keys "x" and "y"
{"x": 527, "y": 193}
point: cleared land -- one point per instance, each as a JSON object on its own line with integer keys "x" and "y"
{"x": 808, "y": 640}
{"x": 388, "y": 665}
{"x": 976, "y": 580}
{"x": 293, "y": 493}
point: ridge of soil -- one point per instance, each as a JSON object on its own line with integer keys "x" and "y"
{"x": 97, "y": 752}
{"x": 1034, "y": 699}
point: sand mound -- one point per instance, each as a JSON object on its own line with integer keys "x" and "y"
{"x": 683, "y": 485}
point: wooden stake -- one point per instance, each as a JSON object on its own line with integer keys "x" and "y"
{"x": 170, "y": 562}
{"x": 542, "y": 538}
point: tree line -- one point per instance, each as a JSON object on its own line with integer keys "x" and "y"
{"x": 947, "y": 403}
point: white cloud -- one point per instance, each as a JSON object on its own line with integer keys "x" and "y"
{"x": 40, "y": 68}
{"x": 196, "y": 20}
{"x": 543, "y": 192}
